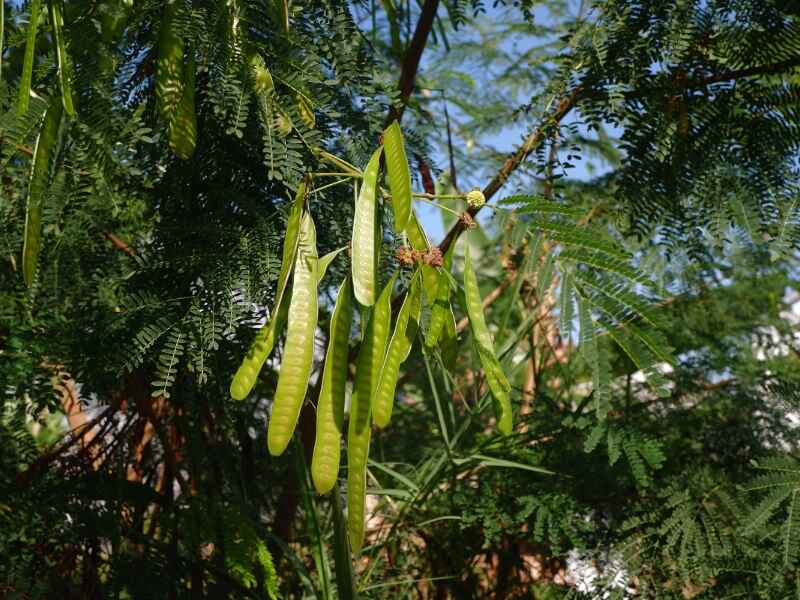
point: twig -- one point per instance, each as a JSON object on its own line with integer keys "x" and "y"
{"x": 408, "y": 73}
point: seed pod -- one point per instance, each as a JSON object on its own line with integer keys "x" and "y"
{"x": 495, "y": 378}
{"x": 263, "y": 84}
{"x": 27, "y": 64}
{"x": 306, "y": 110}
{"x": 57, "y": 22}
{"x": 40, "y": 176}
{"x": 449, "y": 340}
{"x": 183, "y": 126}
{"x": 405, "y": 331}
{"x": 399, "y": 175}
{"x": 441, "y": 302}
{"x": 330, "y": 407}
{"x": 298, "y": 353}
{"x": 169, "y": 66}
{"x": 245, "y": 377}
{"x": 368, "y": 364}
{"x": 365, "y": 258}
{"x": 325, "y": 262}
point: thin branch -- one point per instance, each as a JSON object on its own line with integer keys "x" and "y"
{"x": 532, "y": 142}
{"x": 408, "y": 73}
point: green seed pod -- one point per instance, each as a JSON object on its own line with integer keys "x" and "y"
{"x": 27, "y": 64}
{"x": 399, "y": 175}
{"x": 405, "y": 332}
{"x": 441, "y": 302}
{"x": 306, "y": 110}
{"x": 365, "y": 260}
{"x": 57, "y": 22}
{"x": 40, "y": 176}
{"x": 183, "y": 126}
{"x": 262, "y": 346}
{"x": 495, "y": 378}
{"x": 368, "y": 365}
{"x": 330, "y": 407}
{"x": 325, "y": 262}
{"x": 263, "y": 84}
{"x": 449, "y": 340}
{"x": 298, "y": 353}
{"x": 169, "y": 66}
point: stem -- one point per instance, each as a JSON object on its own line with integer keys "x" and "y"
{"x": 319, "y": 189}
{"x": 448, "y": 209}
{"x": 326, "y": 174}
{"x": 439, "y": 196}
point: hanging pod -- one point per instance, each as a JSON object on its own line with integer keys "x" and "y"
{"x": 368, "y": 365}
{"x": 298, "y": 353}
{"x": 26, "y": 78}
{"x": 405, "y": 331}
{"x": 330, "y": 407}
{"x": 365, "y": 260}
{"x": 245, "y": 377}
{"x": 495, "y": 378}
{"x": 441, "y": 310}
{"x": 169, "y": 66}
{"x": 399, "y": 175}
{"x": 57, "y": 22}
{"x": 40, "y": 177}
{"x": 183, "y": 126}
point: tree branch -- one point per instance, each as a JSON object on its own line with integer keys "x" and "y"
{"x": 532, "y": 142}
{"x": 408, "y": 72}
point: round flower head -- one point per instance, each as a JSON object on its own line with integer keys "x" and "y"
{"x": 475, "y": 198}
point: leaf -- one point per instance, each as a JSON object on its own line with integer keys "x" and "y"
{"x": 399, "y": 175}
{"x": 490, "y": 461}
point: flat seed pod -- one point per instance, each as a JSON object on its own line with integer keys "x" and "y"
{"x": 57, "y": 22}
{"x": 368, "y": 364}
{"x": 405, "y": 332}
{"x": 449, "y": 340}
{"x": 330, "y": 407}
{"x": 399, "y": 175}
{"x": 27, "y": 64}
{"x": 245, "y": 377}
{"x": 263, "y": 85}
{"x": 298, "y": 353}
{"x": 40, "y": 175}
{"x": 306, "y": 110}
{"x": 495, "y": 378}
{"x": 183, "y": 126}
{"x": 169, "y": 66}
{"x": 365, "y": 261}
{"x": 441, "y": 302}
{"x": 325, "y": 262}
